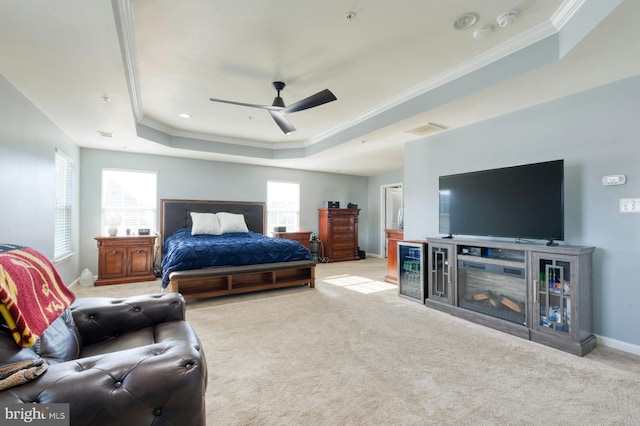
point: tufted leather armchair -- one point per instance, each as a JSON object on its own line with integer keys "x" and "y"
{"x": 132, "y": 361}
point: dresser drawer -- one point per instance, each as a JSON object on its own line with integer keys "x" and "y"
{"x": 343, "y": 253}
{"x": 343, "y": 237}
{"x": 126, "y": 242}
{"x": 346, "y": 245}
{"x": 343, "y": 221}
{"x": 343, "y": 230}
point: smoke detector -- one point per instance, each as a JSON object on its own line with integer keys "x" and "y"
{"x": 482, "y": 33}
{"x": 507, "y": 18}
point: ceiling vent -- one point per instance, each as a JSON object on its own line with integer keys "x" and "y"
{"x": 427, "y": 129}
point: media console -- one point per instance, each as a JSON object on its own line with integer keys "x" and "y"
{"x": 538, "y": 292}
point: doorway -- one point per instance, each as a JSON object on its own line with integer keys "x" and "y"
{"x": 390, "y": 204}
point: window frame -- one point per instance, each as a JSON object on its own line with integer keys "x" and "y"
{"x": 295, "y": 227}
{"x": 123, "y": 212}
{"x": 63, "y": 207}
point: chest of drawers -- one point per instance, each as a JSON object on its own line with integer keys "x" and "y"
{"x": 338, "y": 231}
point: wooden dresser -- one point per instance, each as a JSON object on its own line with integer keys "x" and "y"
{"x": 393, "y": 236}
{"x": 302, "y": 237}
{"x": 125, "y": 259}
{"x": 338, "y": 231}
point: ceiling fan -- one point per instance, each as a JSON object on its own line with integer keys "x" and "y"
{"x": 277, "y": 109}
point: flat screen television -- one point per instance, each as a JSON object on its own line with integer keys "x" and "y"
{"x": 525, "y": 201}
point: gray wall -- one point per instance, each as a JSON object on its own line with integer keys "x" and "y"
{"x": 210, "y": 180}
{"x": 596, "y": 133}
{"x": 28, "y": 140}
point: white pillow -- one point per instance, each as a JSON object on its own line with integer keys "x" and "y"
{"x": 205, "y": 223}
{"x": 232, "y": 222}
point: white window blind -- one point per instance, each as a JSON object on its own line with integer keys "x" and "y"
{"x": 283, "y": 205}
{"x": 129, "y": 200}
{"x": 62, "y": 221}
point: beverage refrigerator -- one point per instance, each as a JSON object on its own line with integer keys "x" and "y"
{"x": 412, "y": 270}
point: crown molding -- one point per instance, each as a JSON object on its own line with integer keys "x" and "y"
{"x": 124, "y": 23}
{"x": 228, "y": 140}
{"x": 565, "y": 13}
{"x": 503, "y": 50}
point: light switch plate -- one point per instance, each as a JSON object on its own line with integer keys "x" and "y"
{"x": 629, "y": 205}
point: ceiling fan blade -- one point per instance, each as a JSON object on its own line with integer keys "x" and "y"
{"x": 319, "y": 98}
{"x": 269, "y": 107}
{"x": 282, "y": 122}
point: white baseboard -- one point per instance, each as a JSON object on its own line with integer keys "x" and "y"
{"x": 618, "y": 344}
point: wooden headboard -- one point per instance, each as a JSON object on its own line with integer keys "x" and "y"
{"x": 176, "y": 214}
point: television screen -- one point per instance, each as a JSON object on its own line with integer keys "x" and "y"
{"x": 524, "y": 201}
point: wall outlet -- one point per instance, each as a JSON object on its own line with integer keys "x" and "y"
{"x": 629, "y": 205}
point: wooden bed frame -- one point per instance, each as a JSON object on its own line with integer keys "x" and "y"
{"x": 225, "y": 280}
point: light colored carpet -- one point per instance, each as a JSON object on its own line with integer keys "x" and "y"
{"x": 351, "y": 352}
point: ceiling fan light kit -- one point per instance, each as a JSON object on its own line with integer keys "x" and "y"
{"x": 278, "y": 108}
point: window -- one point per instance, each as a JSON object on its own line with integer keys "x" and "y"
{"x": 62, "y": 221}
{"x": 129, "y": 200}
{"x": 283, "y": 205}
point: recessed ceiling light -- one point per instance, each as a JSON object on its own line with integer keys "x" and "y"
{"x": 465, "y": 21}
{"x": 184, "y": 115}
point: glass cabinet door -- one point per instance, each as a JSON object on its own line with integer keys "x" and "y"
{"x": 552, "y": 292}
{"x": 411, "y": 270}
{"x": 440, "y": 272}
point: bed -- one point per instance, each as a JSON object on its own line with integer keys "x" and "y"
{"x": 203, "y": 266}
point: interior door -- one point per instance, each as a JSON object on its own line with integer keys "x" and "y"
{"x": 393, "y": 202}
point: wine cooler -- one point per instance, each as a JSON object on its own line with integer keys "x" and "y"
{"x": 411, "y": 270}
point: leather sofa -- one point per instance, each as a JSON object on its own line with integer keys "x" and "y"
{"x": 133, "y": 361}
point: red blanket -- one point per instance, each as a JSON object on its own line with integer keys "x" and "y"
{"x": 32, "y": 294}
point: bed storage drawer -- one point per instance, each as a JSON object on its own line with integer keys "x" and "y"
{"x": 225, "y": 280}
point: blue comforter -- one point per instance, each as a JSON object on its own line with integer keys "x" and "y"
{"x": 183, "y": 251}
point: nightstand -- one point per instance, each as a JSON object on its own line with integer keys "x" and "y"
{"x": 302, "y": 237}
{"x": 125, "y": 259}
